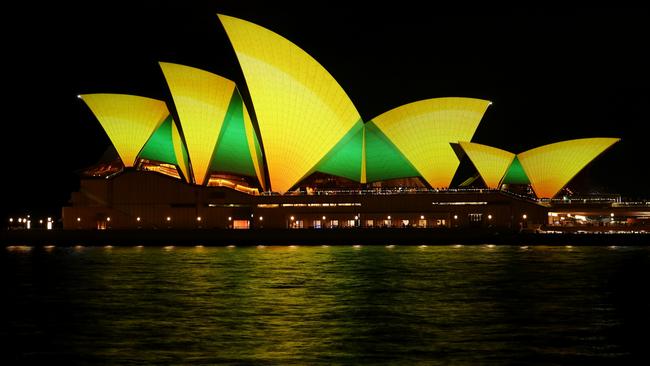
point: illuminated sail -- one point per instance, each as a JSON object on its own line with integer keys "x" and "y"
{"x": 212, "y": 118}
{"x": 491, "y": 163}
{"x": 423, "y": 130}
{"x": 551, "y": 167}
{"x": 128, "y": 120}
{"x": 302, "y": 112}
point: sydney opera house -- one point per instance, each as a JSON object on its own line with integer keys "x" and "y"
{"x": 297, "y": 154}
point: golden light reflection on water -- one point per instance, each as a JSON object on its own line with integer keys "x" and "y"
{"x": 325, "y": 305}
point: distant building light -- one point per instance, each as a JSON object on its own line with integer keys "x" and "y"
{"x": 230, "y": 218}
{"x": 421, "y": 217}
{"x": 324, "y": 217}
{"x": 611, "y": 214}
{"x": 292, "y": 218}
{"x": 389, "y": 217}
{"x": 198, "y": 218}
{"x": 489, "y": 217}
{"x": 78, "y": 219}
{"x": 40, "y": 221}
{"x": 455, "y": 217}
{"x": 524, "y": 216}
{"x": 261, "y": 218}
{"x": 29, "y": 224}
{"x": 356, "y": 217}
{"x": 20, "y": 220}
{"x": 169, "y": 218}
{"x": 49, "y": 219}
{"x": 108, "y": 219}
{"x": 49, "y": 225}
{"x": 137, "y": 218}
{"x": 11, "y": 219}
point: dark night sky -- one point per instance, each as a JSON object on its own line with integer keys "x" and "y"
{"x": 553, "y": 74}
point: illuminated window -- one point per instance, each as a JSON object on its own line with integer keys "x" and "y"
{"x": 241, "y": 224}
{"x": 475, "y": 217}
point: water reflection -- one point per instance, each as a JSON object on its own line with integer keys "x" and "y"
{"x": 326, "y": 305}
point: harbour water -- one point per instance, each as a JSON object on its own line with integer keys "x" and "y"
{"x": 322, "y": 305}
